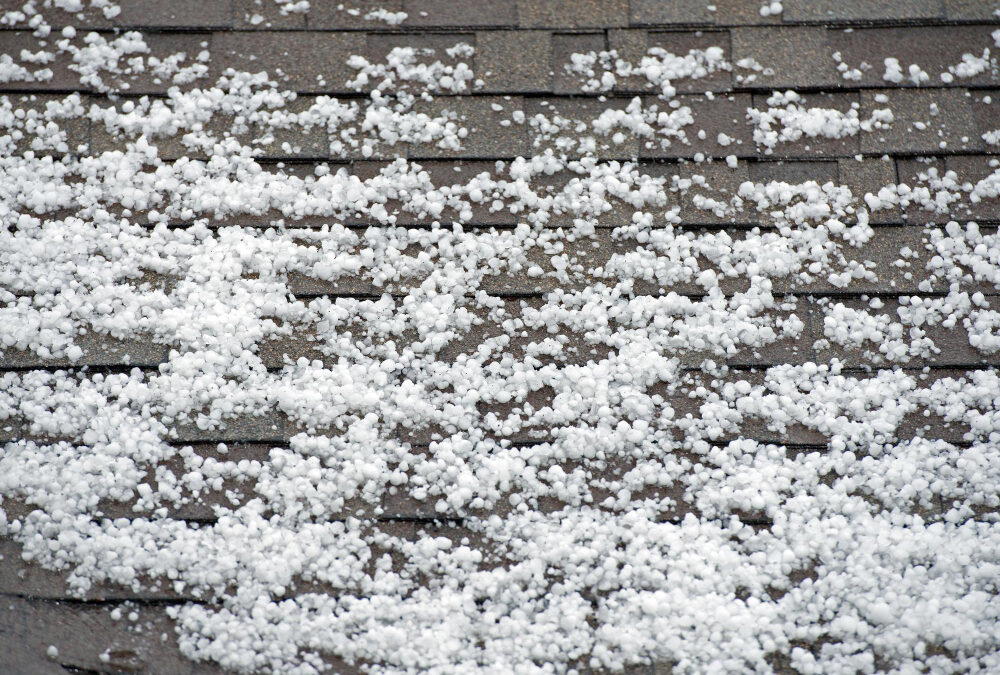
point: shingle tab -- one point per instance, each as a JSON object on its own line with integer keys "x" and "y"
{"x": 460, "y": 13}
{"x": 861, "y": 10}
{"x": 632, "y": 45}
{"x": 869, "y": 175}
{"x": 817, "y": 144}
{"x": 572, "y": 13}
{"x": 353, "y": 15}
{"x": 61, "y": 77}
{"x": 564, "y": 46}
{"x": 42, "y": 110}
{"x": 909, "y": 46}
{"x": 265, "y": 15}
{"x": 719, "y": 128}
{"x": 972, "y": 10}
{"x": 796, "y": 56}
{"x": 98, "y": 350}
{"x": 793, "y": 172}
{"x": 926, "y": 121}
{"x": 514, "y": 61}
{"x": 575, "y": 119}
{"x": 186, "y": 14}
{"x": 491, "y": 131}
{"x": 304, "y": 62}
{"x": 986, "y": 111}
{"x": 683, "y": 42}
{"x": 659, "y": 12}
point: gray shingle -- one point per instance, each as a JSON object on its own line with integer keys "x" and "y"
{"x": 464, "y": 14}
{"x": 724, "y": 115}
{"x": 161, "y": 46}
{"x": 98, "y": 350}
{"x": 861, "y": 10}
{"x": 793, "y": 349}
{"x": 910, "y": 46}
{"x": 798, "y": 56}
{"x": 488, "y": 135}
{"x": 514, "y": 61}
{"x": 869, "y": 175}
{"x": 972, "y": 10}
{"x": 972, "y": 169}
{"x": 61, "y": 76}
{"x": 265, "y": 15}
{"x": 814, "y": 146}
{"x": 680, "y": 43}
{"x": 250, "y": 428}
{"x": 986, "y": 111}
{"x": 39, "y": 112}
{"x": 742, "y": 13}
{"x": 793, "y": 172}
{"x": 715, "y": 181}
{"x": 81, "y": 633}
{"x": 951, "y": 344}
{"x": 572, "y": 13}
{"x": 913, "y": 172}
{"x": 659, "y": 12}
{"x": 578, "y": 116}
{"x": 304, "y": 62}
{"x": 143, "y": 14}
{"x": 564, "y": 45}
{"x": 632, "y": 45}
{"x": 336, "y": 15}
{"x": 926, "y": 121}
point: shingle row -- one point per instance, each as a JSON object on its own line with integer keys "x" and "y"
{"x": 563, "y": 14}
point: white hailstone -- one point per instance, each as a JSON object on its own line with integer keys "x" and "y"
{"x": 429, "y": 387}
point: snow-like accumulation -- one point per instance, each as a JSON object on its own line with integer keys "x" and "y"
{"x": 596, "y": 487}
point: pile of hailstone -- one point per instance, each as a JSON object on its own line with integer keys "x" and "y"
{"x": 585, "y": 465}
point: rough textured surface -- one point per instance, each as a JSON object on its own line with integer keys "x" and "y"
{"x": 522, "y": 49}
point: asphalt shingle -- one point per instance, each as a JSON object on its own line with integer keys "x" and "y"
{"x": 816, "y": 145}
{"x": 972, "y": 10}
{"x": 909, "y": 46}
{"x": 353, "y": 15}
{"x": 869, "y": 175}
{"x": 303, "y": 62}
{"x": 564, "y": 46}
{"x": 491, "y": 131}
{"x": 516, "y": 62}
{"x": 265, "y": 15}
{"x": 573, "y": 13}
{"x": 860, "y": 10}
{"x": 449, "y": 13}
{"x": 793, "y": 57}
{"x": 719, "y": 128}
{"x": 926, "y": 121}
{"x": 658, "y": 12}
